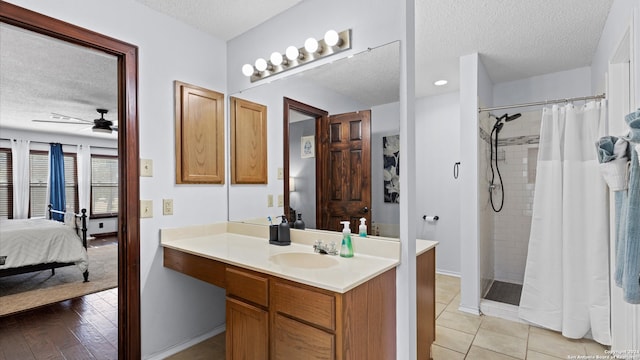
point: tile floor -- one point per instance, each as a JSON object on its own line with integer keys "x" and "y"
{"x": 462, "y": 336}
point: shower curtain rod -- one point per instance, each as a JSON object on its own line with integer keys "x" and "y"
{"x": 557, "y": 101}
{"x": 91, "y": 146}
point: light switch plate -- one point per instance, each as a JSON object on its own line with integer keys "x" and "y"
{"x": 280, "y": 200}
{"x": 167, "y": 206}
{"x": 280, "y": 173}
{"x": 270, "y": 200}
{"x": 146, "y": 167}
{"x": 146, "y": 209}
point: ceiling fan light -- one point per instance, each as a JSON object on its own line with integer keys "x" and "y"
{"x": 101, "y": 129}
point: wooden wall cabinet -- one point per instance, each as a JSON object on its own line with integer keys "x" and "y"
{"x": 199, "y": 135}
{"x": 248, "y": 142}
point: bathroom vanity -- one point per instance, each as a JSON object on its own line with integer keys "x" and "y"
{"x": 287, "y": 302}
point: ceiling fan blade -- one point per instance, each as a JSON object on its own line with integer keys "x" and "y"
{"x": 66, "y": 117}
{"x": 61, "y": 122}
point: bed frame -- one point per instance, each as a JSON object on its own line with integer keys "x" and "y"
{"x": 81, "y": 229}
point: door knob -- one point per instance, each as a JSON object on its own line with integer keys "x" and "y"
{"x": 365, "y": 209}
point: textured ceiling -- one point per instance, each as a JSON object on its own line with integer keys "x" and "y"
{"x": 224, "y": 19}
{"x": 516, "y": 39}
{"x": 40, "y": 75}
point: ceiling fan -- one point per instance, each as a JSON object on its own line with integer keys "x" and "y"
{"x": 99, "y": 125}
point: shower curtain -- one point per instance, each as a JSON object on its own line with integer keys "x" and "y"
{"x": 566, "y": 281}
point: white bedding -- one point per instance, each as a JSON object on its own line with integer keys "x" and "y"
{"x": 38, "y": 241}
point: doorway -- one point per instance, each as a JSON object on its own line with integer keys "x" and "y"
{"x": 342, "y": 165}
{"x": 128, "y": 193}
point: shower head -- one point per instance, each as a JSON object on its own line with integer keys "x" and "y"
{"x": 511, "y": 117}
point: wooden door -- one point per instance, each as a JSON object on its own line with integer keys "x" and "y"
{"x": 345, "y": 178}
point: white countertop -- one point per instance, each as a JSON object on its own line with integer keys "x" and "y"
{"x": 241, "y": 248}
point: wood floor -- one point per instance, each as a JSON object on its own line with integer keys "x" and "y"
{"x": 83, "y": 328}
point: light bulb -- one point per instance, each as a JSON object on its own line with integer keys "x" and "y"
{"x": 247, "y": 69}
{"x": 311, "y": 45}
{"x": 331, "y": 38}
{"x": 261, "y": 64}
{"x": 292, "y": 53}
{"x": 276, "y": 58}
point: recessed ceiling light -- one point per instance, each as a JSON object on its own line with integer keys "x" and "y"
{"x": 440, "y": 82}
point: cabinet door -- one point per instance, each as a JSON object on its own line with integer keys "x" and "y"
{"x": 247, "y": 331}
{"x": 292, "y": 339}
{"x": 199, "y": 135}
{"x": 248, "y": 142}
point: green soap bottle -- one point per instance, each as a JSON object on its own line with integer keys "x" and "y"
{"x": 346, "y": 249}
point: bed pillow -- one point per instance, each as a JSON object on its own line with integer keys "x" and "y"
{"x": 69, "y": 218}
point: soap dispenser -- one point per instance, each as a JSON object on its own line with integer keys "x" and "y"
{"x": 284, "y": 237}
{"x": 299, "y": 223}
{"x": 346, "y": 249}
{"x": 362, "y": 229}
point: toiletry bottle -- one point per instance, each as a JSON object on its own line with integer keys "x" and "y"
{"x": 346, "y": 249}
{"x": 299, "y": 224}
{"x": 362, "y": 229}
{"x": 283, "y": 232}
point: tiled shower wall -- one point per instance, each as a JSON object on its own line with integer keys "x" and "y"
{"x": 517, "y": 157}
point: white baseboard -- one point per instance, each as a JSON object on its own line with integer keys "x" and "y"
{"x": 469, "y": 310}
{"x": 177, "y": 348}
{"x": 448, "y": 273}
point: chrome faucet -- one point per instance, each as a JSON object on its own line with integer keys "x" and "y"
{"x": 321, "y": 248}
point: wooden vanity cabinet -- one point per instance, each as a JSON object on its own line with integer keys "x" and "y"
{"x": 426, "y": 302}
{"x": 247, "y": 314}
{"x": 273, "y": 318}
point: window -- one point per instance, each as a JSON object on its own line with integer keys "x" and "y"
{"x": 6, "y": 184}
{"x": 104, "y": 186}
{"x": 38, "y": 172}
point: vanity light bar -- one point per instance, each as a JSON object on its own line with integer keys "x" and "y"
{"x": 293, "y": 57}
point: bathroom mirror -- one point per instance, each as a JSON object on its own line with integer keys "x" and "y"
{"x": 368, "y": 81}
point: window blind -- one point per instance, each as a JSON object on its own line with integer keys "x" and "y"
{"x": 104, "y": 185}
{"x": 6, "y": 184}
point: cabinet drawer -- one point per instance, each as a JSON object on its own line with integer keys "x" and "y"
{"x": 294, "y": 340}
{"x": 248, "y": 286}
{"x": 308, "y": 305}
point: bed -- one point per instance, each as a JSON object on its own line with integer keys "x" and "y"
{"x": 28, "y": 245}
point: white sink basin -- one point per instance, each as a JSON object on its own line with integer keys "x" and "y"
{"x": 304, "y": 260}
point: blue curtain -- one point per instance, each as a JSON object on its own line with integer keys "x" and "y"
{"x": 56, "y": 181}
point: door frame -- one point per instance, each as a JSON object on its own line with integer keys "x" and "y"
{"x": 320, "y": 116}
{"x": 128, "y": 187}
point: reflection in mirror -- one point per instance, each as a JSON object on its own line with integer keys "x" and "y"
{"x": 364, "y": 83}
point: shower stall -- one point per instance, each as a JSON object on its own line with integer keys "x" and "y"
{"x": 508, "y": 150}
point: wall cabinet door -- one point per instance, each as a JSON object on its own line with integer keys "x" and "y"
{"x": 199, "y": 135}
{"x": 247, "y": 331}
{"x": 248, "y": 142}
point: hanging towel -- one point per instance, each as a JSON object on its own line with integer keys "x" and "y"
{"x": 613, "y": 158}
{"x": 631, "y": 221}
{"x": 631, "y": 256}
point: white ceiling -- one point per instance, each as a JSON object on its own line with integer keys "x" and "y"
{"x": 515, "y": 38}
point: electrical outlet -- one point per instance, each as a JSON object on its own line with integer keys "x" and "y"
{"x": 269, "y": 200}
{"x": 280, "y": 200}
{"x": 280, "y": 173}
{"x": 146, "y": 167}
{"x": 167, "y": 206}
{"x": 146, "y": 209}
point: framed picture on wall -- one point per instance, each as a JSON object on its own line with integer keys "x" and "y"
{"x": 307, "y": 146}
